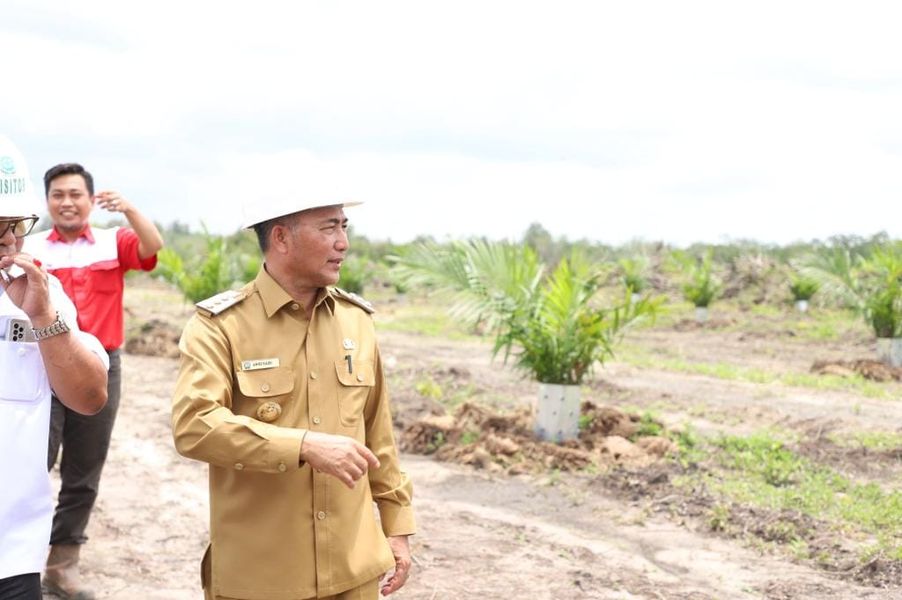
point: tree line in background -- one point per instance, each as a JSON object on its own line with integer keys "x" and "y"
{"x": 863, "y": 274}
{"x": 201, "y": 264}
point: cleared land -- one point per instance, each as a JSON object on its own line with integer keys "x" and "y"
{"x": 787, "y": 484}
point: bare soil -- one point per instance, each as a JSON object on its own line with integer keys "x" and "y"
{"x": 492, "y": 526}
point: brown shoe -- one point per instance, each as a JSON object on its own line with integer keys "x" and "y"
{"x": 61, "y": 576}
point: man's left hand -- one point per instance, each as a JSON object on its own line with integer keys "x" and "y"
{"x": 400, "y": 548}
{"x": 112, "y": 201}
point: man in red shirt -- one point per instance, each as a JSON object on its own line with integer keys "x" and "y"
{"x": 91, "y": 264}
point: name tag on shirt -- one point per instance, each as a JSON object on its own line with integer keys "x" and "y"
{"x": 259, "y": 363}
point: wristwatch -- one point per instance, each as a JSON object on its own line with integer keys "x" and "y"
{"x": 57, "y": 327}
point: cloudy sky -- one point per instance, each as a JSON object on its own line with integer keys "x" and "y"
{"x": 674, "y": 121}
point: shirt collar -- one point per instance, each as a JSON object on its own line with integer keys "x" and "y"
{"x": 86, "y": 233}
{"x": 275, "y": 297}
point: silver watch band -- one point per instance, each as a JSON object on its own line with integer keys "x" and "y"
{"x": 57, "y": 327}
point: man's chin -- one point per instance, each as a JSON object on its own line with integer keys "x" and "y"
{"x": 69, "y": 227}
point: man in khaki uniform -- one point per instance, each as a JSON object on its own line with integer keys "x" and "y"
{"x": 281, "y": 391}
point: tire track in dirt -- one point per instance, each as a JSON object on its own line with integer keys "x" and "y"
{"x": 569, "y": 540}
{"x": 755, "y": 404}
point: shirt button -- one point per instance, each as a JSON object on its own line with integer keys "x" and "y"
{"x": 316, "y": 420}
{"x": 295, "y": 306}
{"x": 312, "y": 374}
{"x": 239, "y": 466}
{"x": 265, "y": 387}
{"x": 282, "y": 467}
{"x": 320, "y": 515}
{"x": 359, "y": 377}
{"x": 22, "y": 351}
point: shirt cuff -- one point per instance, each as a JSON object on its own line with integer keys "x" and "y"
{"x": 286, "y": 449}
{"x": 397, "y": 520}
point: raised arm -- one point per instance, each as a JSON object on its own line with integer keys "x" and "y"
{"x": 150, "y": 241}
{"x": 77, "y": 375}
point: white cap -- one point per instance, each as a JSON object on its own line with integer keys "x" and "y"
{"x": 265, "y": 209}
{"x": 17, "y": 197}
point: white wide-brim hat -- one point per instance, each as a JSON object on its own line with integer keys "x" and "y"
{"x": 17, "y": 195}
{"x": 266, "y": 209}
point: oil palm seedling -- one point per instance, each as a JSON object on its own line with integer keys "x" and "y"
{"x": 550, "y": 326}
{"x": 634, "y": 274}
{"x": 209, "y": 272}
{"x": 207, "y": 277}
{"x": 700, "y": 286}
{"x": 871, "y": 284}
{"x": 802, "y": 289}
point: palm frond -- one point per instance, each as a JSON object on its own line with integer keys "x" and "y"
{"x": 870, "y": 284}
{"x": 547, "y": 325}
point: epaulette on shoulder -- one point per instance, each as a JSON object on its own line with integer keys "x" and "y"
{"x": 221, "y": 302}
{"x": 355, "y": 300}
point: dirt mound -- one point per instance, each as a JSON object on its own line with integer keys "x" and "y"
{"x": 477, "y": 436}
{"x": 869, "y": 369}
{"x": 154, "y": 338}
{"x": 755, "y": 278}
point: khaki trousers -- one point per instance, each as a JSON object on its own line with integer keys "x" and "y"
{"x": 367, "y": 591}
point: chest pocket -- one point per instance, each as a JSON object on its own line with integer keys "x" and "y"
{"x": 354, "y": 389}
{"x": 22, "y": 374}
{"x": 265, "y": 385}
{"x": 105, "y": 276}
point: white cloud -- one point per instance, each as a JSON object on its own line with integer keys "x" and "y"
{"x": 676, "y": 121}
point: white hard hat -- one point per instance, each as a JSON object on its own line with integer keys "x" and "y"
{"x": 17, "y": 197}
{"x": 265, "y": 209}
{"x": 287, "y": 182}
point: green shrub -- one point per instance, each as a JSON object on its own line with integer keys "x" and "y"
{"x": 353, "y": 275}
{"x": 429, "y": 389}
{"x": 648, "y": 426}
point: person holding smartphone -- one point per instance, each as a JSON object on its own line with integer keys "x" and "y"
{"x": 41, "y": 349}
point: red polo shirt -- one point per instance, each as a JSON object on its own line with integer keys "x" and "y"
{"x": 92, "y": 271}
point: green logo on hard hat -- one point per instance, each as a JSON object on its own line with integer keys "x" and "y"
{"x": 7, "y": 165}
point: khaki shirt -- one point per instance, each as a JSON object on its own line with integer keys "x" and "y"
{"x": 279, "y": 530}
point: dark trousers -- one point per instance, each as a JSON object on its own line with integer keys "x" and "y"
{"x": 85, "y": 442}
{"x": 21, "y": 587}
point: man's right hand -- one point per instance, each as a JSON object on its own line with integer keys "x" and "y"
{"x": 30, "y": 291}
{"x": 344, "y": 458}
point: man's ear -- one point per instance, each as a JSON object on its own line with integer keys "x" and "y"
{"x": 278, "y": 238}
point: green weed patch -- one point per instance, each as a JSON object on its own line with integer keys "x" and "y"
{"x": 428, "y": 320}
{"x": 727, "y": 371}
{"x": 879, "y": 441}
{"x": 762, "y": 471}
